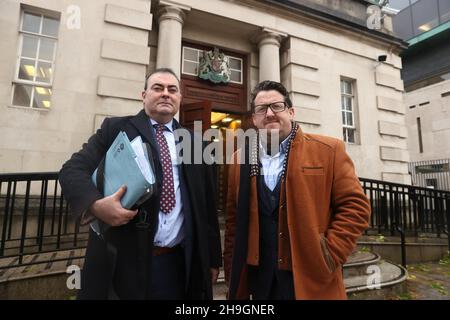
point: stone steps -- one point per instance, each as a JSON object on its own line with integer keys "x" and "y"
{"x": 360, "y": 279}
{"x": 357, "y": 271}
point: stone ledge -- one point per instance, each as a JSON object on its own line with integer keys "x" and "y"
{"x": 123, "y": 51}
{"x": 128, "y": 17}
{"x": 119, "y": 88}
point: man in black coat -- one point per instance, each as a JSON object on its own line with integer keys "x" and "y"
{"x": 167, "y": 248}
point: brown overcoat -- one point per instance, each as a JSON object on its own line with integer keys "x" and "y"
{"x": 322, "y": 212}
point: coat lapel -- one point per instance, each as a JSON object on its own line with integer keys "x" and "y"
{"x": 142, "y": 123}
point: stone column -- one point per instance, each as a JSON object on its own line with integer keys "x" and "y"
{"x": 171, "y": 18}
{"x": 269, "y": 55}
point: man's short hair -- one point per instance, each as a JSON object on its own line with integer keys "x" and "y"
{"x": 160, "y": 70}
{"x": 268, "y": 85}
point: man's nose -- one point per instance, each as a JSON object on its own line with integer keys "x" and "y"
{"x": 269, "y": 112}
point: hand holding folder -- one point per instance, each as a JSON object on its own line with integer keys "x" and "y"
{"x": 126, "y": 163}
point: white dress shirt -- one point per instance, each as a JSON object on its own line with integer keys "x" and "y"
{"x": 272, "y": 165}
{"x": 170, "y": 228}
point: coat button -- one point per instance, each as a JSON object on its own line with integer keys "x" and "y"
{"x": 280, "y": 260}
{"x": 281, "y": 234}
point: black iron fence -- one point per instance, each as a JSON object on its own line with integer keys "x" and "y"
{"x": 405, "y": 210}
{"x": 35, "y": 218}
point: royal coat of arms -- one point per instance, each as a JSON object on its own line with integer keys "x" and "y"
{"x": 214, "y": 66}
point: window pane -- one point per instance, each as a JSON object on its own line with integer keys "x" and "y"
{"x": 29, "y": 46}
{"x": 22, "y": 95}
{"x": 348, "y": 87}
{"x": 350, "y": 135}
{"x": 348, "y": 103}
{"x": 444, "y": 10}
{"x": 235, "y": 64}
{"x": 190, "y": 54}
{"x": 31, "y": 22}
{"x": 349, "y": 119}
{"x": 26, "y": 69}
{"x": 50, "y": 27}
{"x": 398, "y": 4}
{"x": 235, "y": 76}
{"x": 425, "y": 16}
{"x": 41, "y": 97}
{"x": 47, "y": 49}
{"x": 44, "y": 72}
{"x": 190, "y": 67}
{"x": 344, "y": 120}
{"x": 402, "y": 24}
{"x": 344, "y": 134}
{"x": 344, "y": 87}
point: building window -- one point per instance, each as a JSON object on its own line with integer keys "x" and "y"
{"x": 348, "y": 111}
{"x": 191, "y": 58}
{"x": 236, "y": 69}
{"x": 33, "y": 78}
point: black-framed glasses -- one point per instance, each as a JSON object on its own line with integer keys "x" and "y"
{"x": 274, "y": 106}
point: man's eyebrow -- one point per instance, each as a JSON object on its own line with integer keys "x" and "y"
{"x": 169, "y": 86}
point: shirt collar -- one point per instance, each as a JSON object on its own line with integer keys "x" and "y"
{"x": 282, "y": 151}
{"x": 169, "y": 125}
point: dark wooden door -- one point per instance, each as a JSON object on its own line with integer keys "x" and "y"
{"x": 196, "y": 111}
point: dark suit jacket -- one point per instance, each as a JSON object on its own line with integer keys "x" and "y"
{"x": 111, "y": 263}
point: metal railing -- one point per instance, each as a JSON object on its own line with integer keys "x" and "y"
{"x": 35, "y": 218}
{"x": 399, "y": 209}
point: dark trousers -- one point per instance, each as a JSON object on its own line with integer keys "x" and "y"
{"x": 168, "y": 276}
{"x": 275, "y": 285}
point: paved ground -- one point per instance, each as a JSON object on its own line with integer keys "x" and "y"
{"x": 427, "y": 281}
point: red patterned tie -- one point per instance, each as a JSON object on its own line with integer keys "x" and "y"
{"x": 167, "y": 200}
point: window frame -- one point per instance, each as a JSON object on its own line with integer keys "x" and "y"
{"x": 353, "y": 110}
{"x": 19, "y": 56}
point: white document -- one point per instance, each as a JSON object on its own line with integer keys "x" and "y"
{"x": 141, "y": 159}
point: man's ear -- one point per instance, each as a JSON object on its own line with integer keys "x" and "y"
{"x": 292, "y": 112}
{"x": 143, "y": 94}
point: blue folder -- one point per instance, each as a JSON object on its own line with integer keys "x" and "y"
{"x": 121, "y": 168}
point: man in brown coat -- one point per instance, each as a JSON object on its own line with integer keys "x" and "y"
{"x": 293, "y": 217}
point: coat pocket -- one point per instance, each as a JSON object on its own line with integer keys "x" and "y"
{"x": 313, "y": 171}
{"x": 326, "y": 254}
